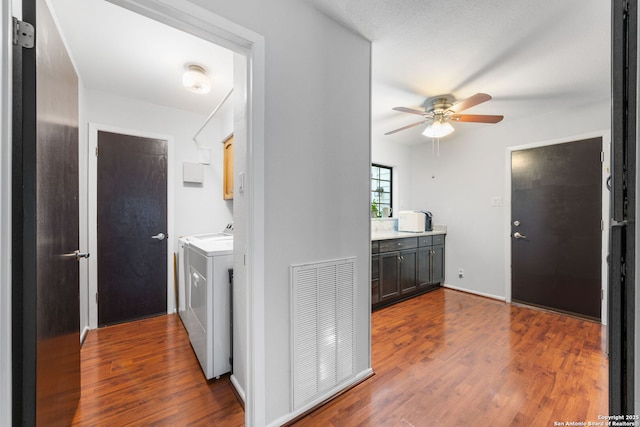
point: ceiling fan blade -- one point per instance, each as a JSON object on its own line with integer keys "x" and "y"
{"x": 405, "y": 127}
{"x": 472, "y": 101}
{"x": 476, "y": 118}
{"x": 409, "y": 110}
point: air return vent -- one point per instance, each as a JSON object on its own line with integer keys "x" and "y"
{"x": 322, "y": 312}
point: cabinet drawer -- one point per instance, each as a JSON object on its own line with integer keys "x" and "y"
{"x": 425, "y": 241}
{"x": 398, "y": 244}
{"x": 375, "y": 245}
{"x": 438, "y": 239}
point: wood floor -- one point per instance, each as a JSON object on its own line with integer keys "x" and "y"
{"x": 444, "y": 358}
{"x": 145, "y": 373}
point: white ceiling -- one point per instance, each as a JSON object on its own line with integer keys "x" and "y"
{"x": 124, "y": 53}
{"x": 533, "y": 57}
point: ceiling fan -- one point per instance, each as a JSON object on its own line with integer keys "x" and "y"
{"x": 442, "y": 111}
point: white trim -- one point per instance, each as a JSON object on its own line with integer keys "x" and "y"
{"x": 6, "y": 85}
{"x": 186, "y": 16}
{"x": 238, "y": 387}
{"x": 471, "y": 291}
{"x": 83, "y": 334}
{"x": 606, "y": 142}
{"x": 93, "y": 213}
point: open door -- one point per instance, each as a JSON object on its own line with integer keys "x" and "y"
{"x": 46, "y": 325}
{"x": 622, "y": 251}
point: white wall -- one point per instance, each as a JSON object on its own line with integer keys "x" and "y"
{"x": 198, "y": 208}
{"x": 458, "y": 186}
{"x": 317, "y": 159}
{"x": 399, "y": 157}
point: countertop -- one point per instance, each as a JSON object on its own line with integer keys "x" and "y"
{"x": 385, "y": 235}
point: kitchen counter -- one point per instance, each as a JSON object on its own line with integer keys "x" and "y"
{"x": 393, "y": 234}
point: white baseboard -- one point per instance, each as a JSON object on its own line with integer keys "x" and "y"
{"x": 471, "y": 291}
{"x": 83, "y": 334}
{"x": 331, "y": 393}
{"x": 239, "y": 389}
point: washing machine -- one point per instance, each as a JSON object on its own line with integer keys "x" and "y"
{"x": 183, "y": 265}
{"x": 208, "y": 311}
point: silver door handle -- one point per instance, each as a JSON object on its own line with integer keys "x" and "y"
{"x": 159, "y": 236}
{"x": 76, "y": 255}
{"x": 517, "y": 235}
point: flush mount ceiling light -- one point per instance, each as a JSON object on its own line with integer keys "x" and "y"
{"x": 196, "y": 80}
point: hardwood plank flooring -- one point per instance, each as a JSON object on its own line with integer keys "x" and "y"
{"x": 443, "y": 358}
{"x": 145, "y": 373}
{"x": 448, "y": 358}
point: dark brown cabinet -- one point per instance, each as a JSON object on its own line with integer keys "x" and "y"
{"x": 375, "y": 273}
{"x": 430, "y": 260}
{"x": 401, "y": 268}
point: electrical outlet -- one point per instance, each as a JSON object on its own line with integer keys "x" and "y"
{"x": 461, "y": 273}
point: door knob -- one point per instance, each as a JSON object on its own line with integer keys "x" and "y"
{"x": 76, "y": 255}
{"x": 82, "y": 254}
{"x": 517, "y": 235}
{"x": 159, "y": 236}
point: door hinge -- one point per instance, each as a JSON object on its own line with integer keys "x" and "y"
{"x": 96, "y": 151}
{"x": 96, "y": 298}
{"x": 601, "y": 294}
{"x": 23, "y": 33}
{"x": 602, "y": 157}
{"x": 601, "y": 225}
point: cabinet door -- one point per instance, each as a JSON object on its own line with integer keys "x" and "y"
{"x": 408, "y": 264}
{"x": 437, "y": 268}
{"x": 389, "y": 275}
{"x": 424, "y": 266}
{"x": 375, "y": 279}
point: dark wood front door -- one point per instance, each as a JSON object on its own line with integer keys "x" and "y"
{"x": 556, "y": 225}
{"x": 46, "y": 312}
{"x": 132, "y": 227}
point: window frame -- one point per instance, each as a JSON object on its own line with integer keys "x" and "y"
{"x": 374, "y": 192}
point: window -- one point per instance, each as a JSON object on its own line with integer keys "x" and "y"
{"x": 381, "y": 190}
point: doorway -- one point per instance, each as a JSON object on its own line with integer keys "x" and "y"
{"x": 131, "y": 227}
{"x": 248, "y": 128}
{"x": 556, "y": 227}
{"x": 147, "y": 275}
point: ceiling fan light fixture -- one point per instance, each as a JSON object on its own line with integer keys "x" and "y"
{"x": 438, "y": 129}
{"x": 195, "y": 79}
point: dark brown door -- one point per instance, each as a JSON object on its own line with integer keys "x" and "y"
{"x": 132, "y": 227}
{"x": 556, "y": 232}
{"x": 46, "y": 327}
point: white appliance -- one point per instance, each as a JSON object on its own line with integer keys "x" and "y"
{"x": 183, "y": 264}
{"x": 207, "y": 309}
{"x": 411, "y": 221}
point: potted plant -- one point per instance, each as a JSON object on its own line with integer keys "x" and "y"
{"x": 374, "y": 209}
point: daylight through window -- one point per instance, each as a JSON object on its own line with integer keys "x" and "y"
{"x": 381, "y": 191}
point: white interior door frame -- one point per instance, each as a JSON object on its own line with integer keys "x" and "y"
{"x": 7, "y": 10}
{"x": 92, "y": 222}
{"x": 193, "y": 19}
{"x": 606, "y": 166}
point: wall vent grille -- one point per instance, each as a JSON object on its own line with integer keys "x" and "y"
{"x": 323, "y": 327}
